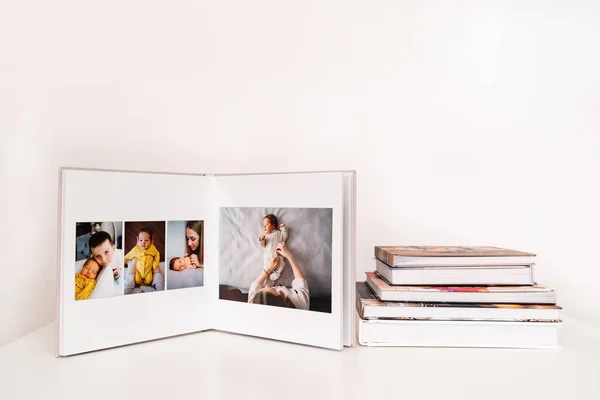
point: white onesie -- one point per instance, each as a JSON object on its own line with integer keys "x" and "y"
{"x": 270, "y": 246}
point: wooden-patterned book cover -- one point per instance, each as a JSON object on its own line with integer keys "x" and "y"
{"x": 387, "y": 254}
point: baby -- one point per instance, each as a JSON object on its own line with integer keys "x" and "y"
{"x": 85, "y": 281}
{"x": 269, "y": 241}
{"x": 147, "y": 258}
{"x": 181, "y": 263}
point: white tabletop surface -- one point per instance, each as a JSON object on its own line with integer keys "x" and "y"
{"x": 212, "y": 364}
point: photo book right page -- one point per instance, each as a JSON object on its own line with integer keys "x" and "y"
{"x": 281, "y": 257}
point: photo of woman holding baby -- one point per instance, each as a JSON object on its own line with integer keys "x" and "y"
{"x": 272, "y": 256}
{"x": 297, "y": 296}
{"x": 185, "y": 254}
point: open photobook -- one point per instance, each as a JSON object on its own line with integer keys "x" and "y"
{"x": 148, "y": 255}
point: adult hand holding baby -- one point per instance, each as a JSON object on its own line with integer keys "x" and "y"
{"x": 298, "y": 296}
{"x": 273, "y": 265}
{"x": 283, "y": 250}
{"x": 195, "y": 261}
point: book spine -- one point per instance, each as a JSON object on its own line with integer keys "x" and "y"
{"x": 384, "y": 255}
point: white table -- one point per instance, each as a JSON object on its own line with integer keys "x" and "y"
{"x": 212, "y": 364}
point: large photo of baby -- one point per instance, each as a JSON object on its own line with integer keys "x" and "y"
{"x": 144, "y": 247}
{"x": 185, "y": 254}
{"x": 98, "y": 259}
{"x": 276, "y": 256}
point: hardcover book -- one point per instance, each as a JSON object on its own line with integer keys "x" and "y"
{"x": 535, "y": 294}
{"x": 500, "y": 334}
{"x": 147, "y": 255}
{"x": 457, "y": 275}
{"x": 433, "y": 256}
{"x": 370, "y": 307}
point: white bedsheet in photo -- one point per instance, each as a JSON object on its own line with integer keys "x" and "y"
{"x": 185, "y": 279}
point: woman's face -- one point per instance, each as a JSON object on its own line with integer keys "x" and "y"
{"x": 192, "y": 238}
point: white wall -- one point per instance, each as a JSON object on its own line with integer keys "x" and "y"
{"x": 469, "y": 122}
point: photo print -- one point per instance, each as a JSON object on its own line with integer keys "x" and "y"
{"x": 98, "y": 259}
{"x": 185, "y": 254}
{"x": 144, "y": 248}
{"x": 276, "y": 257}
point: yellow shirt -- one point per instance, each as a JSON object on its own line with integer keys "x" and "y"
{"x": 146, "y": 260}
{"x": 84, "y": 287}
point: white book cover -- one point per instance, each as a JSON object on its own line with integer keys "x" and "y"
{"x": 457, "y": 275}
{"x": 370, "y": 307}
{"x": 147, "y": 255}
{"x": 458, "y": 333}
{"x": 534, "y": 294}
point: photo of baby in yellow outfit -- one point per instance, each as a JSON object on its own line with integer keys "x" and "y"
{"x": 85, "y": 281}
{"x": 143, "y": 261}
{"x": 146, "y": 256}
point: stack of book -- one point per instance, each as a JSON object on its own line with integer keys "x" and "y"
{"x": 455, "y": 297}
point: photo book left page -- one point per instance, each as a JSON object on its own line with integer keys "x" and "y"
{"x": 133, "y": 265}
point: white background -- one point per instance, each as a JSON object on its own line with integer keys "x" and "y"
{"x": 469, "y": 123}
